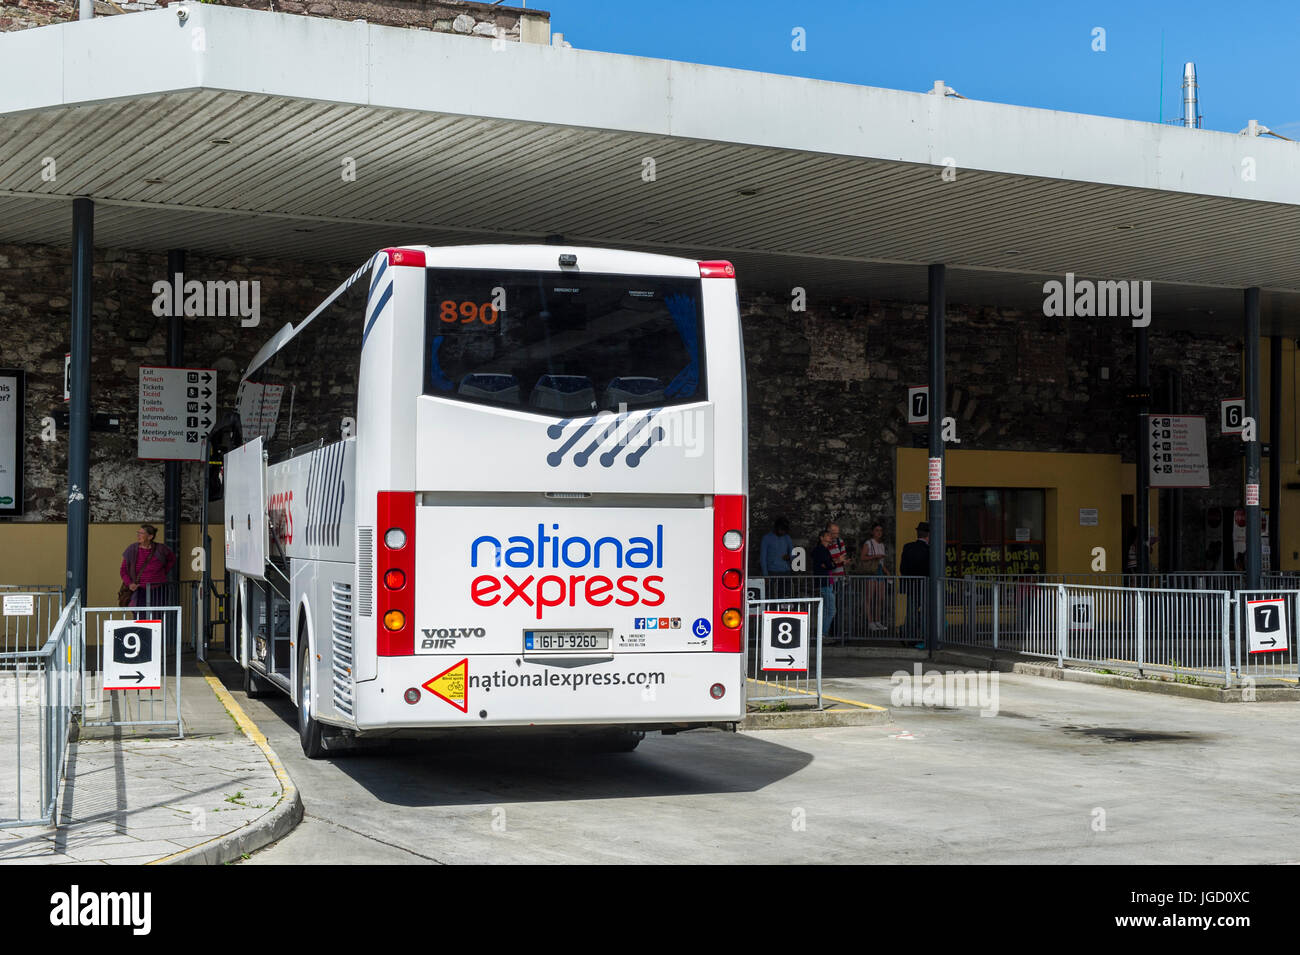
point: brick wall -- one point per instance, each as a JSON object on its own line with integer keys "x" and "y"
{"x": 828, "y": 394}
{"x": 827, "y": 387}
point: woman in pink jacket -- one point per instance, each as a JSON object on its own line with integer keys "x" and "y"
{"x": 146, "y": 569}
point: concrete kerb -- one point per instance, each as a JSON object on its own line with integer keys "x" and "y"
{"x": 1010, "y": 662}
{"x": 265, "y": 829}
{"x": 805, "y": 715}
{"x": 1214, "y": 694}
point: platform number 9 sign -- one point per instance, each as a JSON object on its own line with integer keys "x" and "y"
{"x": 133, "y": 645}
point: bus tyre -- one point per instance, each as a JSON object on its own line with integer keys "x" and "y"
{"x": 619, "y": 741}
{"x": 309, "y": 730}
{"x": 255, "y": 688}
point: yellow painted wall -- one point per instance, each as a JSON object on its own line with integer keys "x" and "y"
{"x": 1289, "y": 455}
{"x": 35, "y": 554}
{"x": 1071, "y": 482}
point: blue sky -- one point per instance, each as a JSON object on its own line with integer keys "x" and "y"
{"x": 1007, "y": 51}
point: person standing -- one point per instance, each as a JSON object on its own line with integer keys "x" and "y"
{"x": 914, "y": 563}
{"x": 774, "y": 557}
{"x": 146, "y": 569}
{"x": 823, "y": 564}
{"x": 872, "y": 558}
{"x": 839, "y": 573}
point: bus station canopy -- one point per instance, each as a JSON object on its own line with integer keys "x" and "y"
{"x": 232, "y": 132}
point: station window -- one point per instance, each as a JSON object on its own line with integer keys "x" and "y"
{"x": 995, "y": 531}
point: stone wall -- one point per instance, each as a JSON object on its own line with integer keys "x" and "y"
{"x": 827, "y": 387}
{"x": 442, "y": 16}
{"x": 828, "y": 395}
{"x": 34, "y": 286}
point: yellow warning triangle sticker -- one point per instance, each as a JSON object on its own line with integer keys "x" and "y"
{"x": 450, "y": 685}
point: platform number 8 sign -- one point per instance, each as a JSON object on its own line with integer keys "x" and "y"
{"x": 784, "y": 641}
{"x": 1266, "y": 626}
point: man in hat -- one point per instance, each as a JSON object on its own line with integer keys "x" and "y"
{"x": 913, "y": 564}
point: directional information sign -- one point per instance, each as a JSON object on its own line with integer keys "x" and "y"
{"x": 177, "y": 409}
{"x": 1266, "y": 625}
{"x": 785, "y": 641}
{"x": 132, "y": 655}
{"x": 755, "y": 588}
{"x": 1177, "y": 444}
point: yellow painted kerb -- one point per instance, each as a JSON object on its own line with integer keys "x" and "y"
{"x": 253, "y": 733}
{"x": 825, "y": 696}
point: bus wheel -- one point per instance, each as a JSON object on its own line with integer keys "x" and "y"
{"x": 618, "y": 741}
{"x": 309, "y": 730}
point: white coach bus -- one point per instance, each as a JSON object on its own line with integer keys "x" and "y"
{"x": 499, "y": 485}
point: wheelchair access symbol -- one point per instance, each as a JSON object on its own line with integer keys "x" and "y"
{"x": 784, "y": 641}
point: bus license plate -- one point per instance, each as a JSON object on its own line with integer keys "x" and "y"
{"x": 549, "y": 640}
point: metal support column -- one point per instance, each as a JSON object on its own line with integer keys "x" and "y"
{"x": 1250, "y": 361}
{"x": 1142, "y": 465}
{"x": 83, "y": 266}
{"x": 1171, "y": 551}
{"x": 1275, "y": 452}
{"x": 172, "y": 469}
{"x": 935, "y": 493}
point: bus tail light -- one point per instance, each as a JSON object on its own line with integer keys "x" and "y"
{"x": 396, "y": 565}
{"x": 717, "y": 270}
{"x": 729, "y": 528}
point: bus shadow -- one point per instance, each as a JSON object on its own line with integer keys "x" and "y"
{"x": 522, "y": 768}
{"x": 498, "y": 767}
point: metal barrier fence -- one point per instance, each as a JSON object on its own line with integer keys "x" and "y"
{"x": 862, "y": 609}
{"x": 39, "y": 690}
{"x": 1268, "y": 662}
{"x": 29, "y": 617}
{"x": 146, "y": 707}
{"x": 188, "y": 596}
{"x": 780, "y": 686}
{"x": 1184, "y": 633}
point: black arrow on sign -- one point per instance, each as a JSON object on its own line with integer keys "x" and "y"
{"x": 786, "y": 660}
{"x": 207, "y": 392}
{"x": 1270, "y": 642}
{"x": 137, "y": 676}
{"x": 206, "y": 422}
{"x": 207, "y": 376}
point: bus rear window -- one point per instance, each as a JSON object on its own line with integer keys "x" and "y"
{"x": 563, "y": 344}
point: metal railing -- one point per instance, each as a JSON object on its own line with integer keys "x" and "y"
{"x": 29, "y": 615}
{"x": 862, "y": 608}
{"x": 39, "y": 691}
{"x": 776, "y": 686}
{"x": 1267, "y": 661}
{"x": 129, "y": 707}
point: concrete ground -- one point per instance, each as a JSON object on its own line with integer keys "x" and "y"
{"x": 1063, "y": 773}
{"x": 140, "y": 796}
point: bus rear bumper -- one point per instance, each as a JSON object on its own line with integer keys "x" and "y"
{"x": 653, "y": 691}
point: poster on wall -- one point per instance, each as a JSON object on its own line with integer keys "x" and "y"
{"x": 11, "y": 441}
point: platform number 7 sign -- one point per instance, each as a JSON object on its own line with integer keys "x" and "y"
{"x": 1266, "y": 626}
